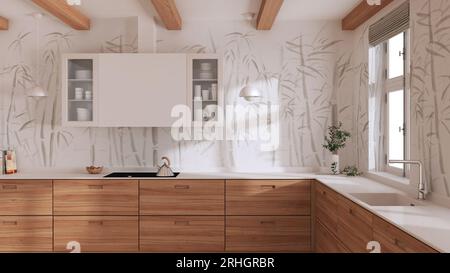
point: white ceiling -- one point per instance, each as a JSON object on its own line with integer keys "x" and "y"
{"x": 197, "y": 9}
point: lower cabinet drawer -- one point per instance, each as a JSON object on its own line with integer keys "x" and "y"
{"x": 95, "y": 197}
{"x": 268, "y": 233}
{"x": 182, "y": 233}
{"x": 97, "y": 233}
{"x": 394, "y": 240}
{"x": 26, "y": 234}
{"x": 26, "y": 197}
{"x": 326, "y": 241}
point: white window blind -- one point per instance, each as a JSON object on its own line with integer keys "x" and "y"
{"x": 396, "y": 22}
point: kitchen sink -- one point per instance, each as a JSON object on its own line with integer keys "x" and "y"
{"x": 386, "y": 199}
{"x": 137, "y": 175}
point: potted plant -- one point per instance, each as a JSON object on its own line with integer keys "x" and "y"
{"x": 334, "y": 142}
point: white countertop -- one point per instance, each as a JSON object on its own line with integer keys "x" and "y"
{"x": 428, "y": 222}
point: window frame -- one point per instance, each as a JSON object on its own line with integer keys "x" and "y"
{"x": 392, "y": 85}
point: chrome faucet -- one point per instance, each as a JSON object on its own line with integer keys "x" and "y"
{"x": 422, "y": 190}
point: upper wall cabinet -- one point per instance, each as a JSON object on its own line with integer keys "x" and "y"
{"x": 140, "y": 90}
{"x": 204, "y": 87}
{"x": 123, "y": 90}
{"x": 80, "y": 90}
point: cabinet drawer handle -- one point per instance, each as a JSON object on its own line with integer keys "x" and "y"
{"x": 267, "y": 222}
{"x": 268, "y": 187}
{"x": 10, "y": 223}
{"x": 324, "y": 193}
{"x": 398, "y": 243}
{"x": 181, "y": 223}
{"x": 100, "y": 223}
{"x": 95, "y": 187}
{"x": 9, "y": 187}
{"x": 350, "y": 211}
{"x": 182, "y": 187}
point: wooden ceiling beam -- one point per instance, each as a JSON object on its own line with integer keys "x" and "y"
{"x": 4, "y": 23}
{"x": 361, "y": 13}
{"x": 66, "y": 13}
{"x": 268, "y": 13}
{"x": 167, "y": 10}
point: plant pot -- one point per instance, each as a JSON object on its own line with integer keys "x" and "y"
{"x": 334, "y": 164}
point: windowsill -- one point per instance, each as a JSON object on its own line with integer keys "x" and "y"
{"x": 388, "y": 178}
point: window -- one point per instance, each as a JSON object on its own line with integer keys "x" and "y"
{"x": 396, "y": 97}
{"x": 389, "y": 91}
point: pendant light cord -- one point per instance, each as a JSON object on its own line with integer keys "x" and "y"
{"x": 37, "y": 18}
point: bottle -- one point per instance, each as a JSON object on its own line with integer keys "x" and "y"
{"x": 2, "y": 163}
{"x": 214, "y": 92}
{"x": 11, "y": 165}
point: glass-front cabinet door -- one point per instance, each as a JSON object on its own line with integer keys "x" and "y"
{"x": 79, "y": 90}
{"x": 205, "y": 85}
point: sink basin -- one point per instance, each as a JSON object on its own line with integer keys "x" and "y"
{"x": 386, "y": 199}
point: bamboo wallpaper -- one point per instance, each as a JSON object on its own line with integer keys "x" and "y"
{"x": 296, "y": 66}
{"x": 430, "y": 90}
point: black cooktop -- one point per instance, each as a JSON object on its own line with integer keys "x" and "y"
{"x": 137, "y": 175}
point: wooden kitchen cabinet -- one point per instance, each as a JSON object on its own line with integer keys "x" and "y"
{"x": 97, "y": 233}
{"x": 268, "y": 197}
{"x": 268, "y": 233}
{"x": 394, "y": 240}
{"x": 354, "y": 227}
{"x": 326, "y": 241}
{"x": 26, "y": 197}
{"x": 182, "y": 234}
{"x": 26, "y": 234}
{"x": 326, "y": 206}
{"x": 96, "y": 197}
{"x": 182, "y": 197}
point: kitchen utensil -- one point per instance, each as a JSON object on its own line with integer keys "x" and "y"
{"x": 79, "y": 93}
{"x": 198, "y": 111}
{"x": 197, "y": 91}
{"x": 165, "y": 170}
{"x": 214, "y": 91}
{"x": 83, "y": 114}
{"x": 88, "y": 95}
{"x": 205, "y": 75}
{"x": 94, "y": 170}
{"x": 83, "y": 74}
{"x": 205, "y": 95}
{"x": 205, "y": 66}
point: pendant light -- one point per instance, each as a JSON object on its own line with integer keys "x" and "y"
{"x": 250, "y": 93}
{"x": 36, "y": 91}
